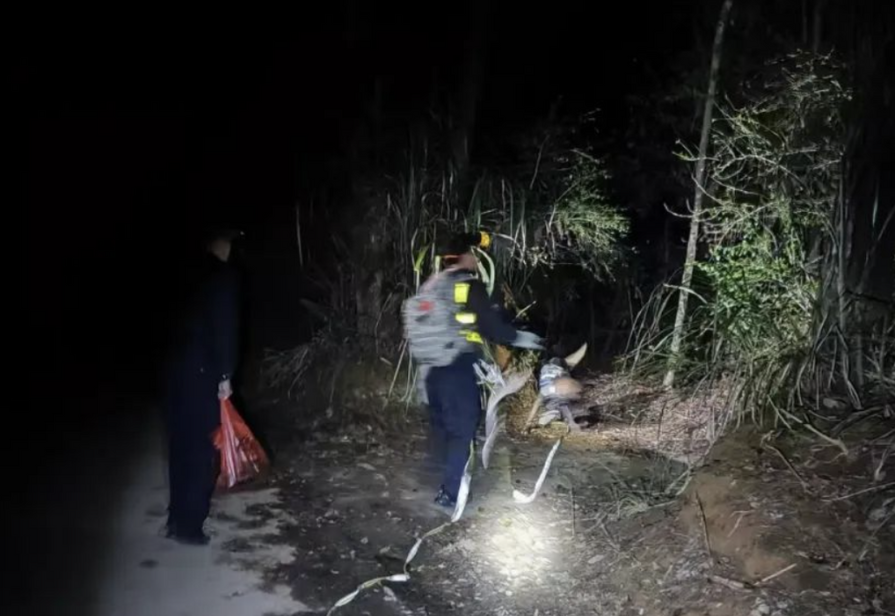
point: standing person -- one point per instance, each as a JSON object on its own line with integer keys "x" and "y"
{"x": 446, "y": 324}
{"x": 199, "y": 377}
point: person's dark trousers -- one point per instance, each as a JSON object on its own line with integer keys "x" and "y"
{"x": 455, "y": 406}
{"x": 437, "y": 451}
{"x": 193, "y": 413}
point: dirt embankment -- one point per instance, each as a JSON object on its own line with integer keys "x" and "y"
{"x": 787, "y": 525}
{"x": 799, "y": 522}
{"x": 764, "y": 528}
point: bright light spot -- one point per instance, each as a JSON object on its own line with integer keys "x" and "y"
{"x": 519, "y": 546}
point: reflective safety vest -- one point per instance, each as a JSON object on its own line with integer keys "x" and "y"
{"x": 464, "y": 317}
{"x": 437, "y": 324}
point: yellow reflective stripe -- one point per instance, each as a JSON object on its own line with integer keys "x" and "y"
{"x": 466, "y": 318}
{"x": 461, "y": 296}
{"x": 461, "y": 292}
{"x": 472, "y": 336}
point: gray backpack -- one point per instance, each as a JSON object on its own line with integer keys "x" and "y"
{"x": 434, "y": 335}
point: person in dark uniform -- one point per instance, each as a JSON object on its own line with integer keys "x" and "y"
{"x": 198, "y": 377}
{"x": 453, "y": 390}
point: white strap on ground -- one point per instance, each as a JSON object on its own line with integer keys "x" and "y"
{"x": 521, "y": 498}
{"x": 500, "y": 388}
{"x": 462, "y": 497}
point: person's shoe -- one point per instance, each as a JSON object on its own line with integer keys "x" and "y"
{"x": 444, "y": 499}
{"x": 198, "y": 538}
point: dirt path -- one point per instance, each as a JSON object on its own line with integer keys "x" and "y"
{"x": 758, "y": 532}
{"x": 148, "y": 575}
{"x": 91, "y": 542}
{"x": 611, "y": 534}
{"x": 360, "y": 508}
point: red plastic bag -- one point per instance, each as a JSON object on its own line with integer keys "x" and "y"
{"x": 242, "y": 457}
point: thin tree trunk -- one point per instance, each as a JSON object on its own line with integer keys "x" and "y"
{"x": 472, "y": 73}
{"x": 693, "y": 239}
{"x": 818, "y": 25}
{"x": 805, "y": 23}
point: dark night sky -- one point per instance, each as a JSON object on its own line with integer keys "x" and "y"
{"x": 221, "y": 100}
{"x": 135, "y": 127}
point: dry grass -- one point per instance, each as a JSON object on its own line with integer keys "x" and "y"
{"x": 677, "y": 424}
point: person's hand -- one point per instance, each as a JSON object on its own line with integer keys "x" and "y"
{"x": 225, "y": 390}
{"x": 528, "y": 340}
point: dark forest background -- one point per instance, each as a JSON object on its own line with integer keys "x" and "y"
{"x": 329, "y": 133}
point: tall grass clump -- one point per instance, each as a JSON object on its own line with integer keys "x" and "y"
{"x": 767, "y": 320}
{"x": 548, "y": 213}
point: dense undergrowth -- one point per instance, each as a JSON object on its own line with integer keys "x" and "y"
{"x": 773, "y": 320}
{"x": 777, "y": 327}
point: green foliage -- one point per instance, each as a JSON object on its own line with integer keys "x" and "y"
{"x": 548, "y": 212}
{"x": 773, "y": 182}
{"x": 777, "y": 156}
{"x": 564, "y": 218}
{"x": 761, "y": 289}
{"x": 583, "y": 227}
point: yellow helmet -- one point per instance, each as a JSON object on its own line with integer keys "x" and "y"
{"x": 463, "y": 242}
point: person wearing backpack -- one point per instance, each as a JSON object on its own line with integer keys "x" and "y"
{"x": 445, "y": 324}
